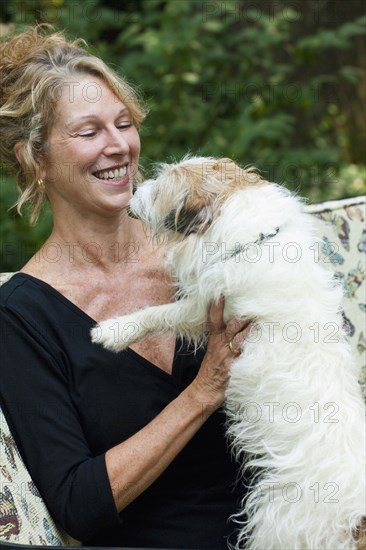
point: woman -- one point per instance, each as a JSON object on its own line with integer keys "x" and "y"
{"x": 126, "y": 449}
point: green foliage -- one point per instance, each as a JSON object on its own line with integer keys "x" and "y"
{"x": 18, "y": 242}
{"x": 275, "y": 84}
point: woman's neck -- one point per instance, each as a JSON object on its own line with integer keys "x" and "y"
{"x": 106, "y": 246}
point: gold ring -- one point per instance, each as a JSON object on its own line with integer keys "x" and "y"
{"x": 235, "y": 351}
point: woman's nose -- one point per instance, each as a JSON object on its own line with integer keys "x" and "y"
{"x": 116, "y": 143}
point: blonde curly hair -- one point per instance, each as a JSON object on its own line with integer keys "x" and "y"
{"x": 34, "y": 66}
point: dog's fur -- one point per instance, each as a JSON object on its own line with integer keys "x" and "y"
{"x": 294, "y": 407}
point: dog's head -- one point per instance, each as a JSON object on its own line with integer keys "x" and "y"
{"x": 186, "y": 197}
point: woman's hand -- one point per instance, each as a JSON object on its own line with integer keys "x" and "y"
{"x": 224, "y": 346}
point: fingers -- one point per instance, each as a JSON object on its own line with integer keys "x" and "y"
{"x": 224, "y": 344}
{"x": 236, "y": 332}
{"x": 216, "y": 316}
{"x": 236, "y": 329}
{"x": 233, "y": 333}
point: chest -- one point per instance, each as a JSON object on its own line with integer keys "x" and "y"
{"x": 103, "y": 299}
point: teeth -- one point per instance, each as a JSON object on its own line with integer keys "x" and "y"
{"x": 115, "y": 174}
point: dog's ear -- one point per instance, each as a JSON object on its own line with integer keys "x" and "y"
{"x": 236, "y": 177}
{"x": 187, "y": 220}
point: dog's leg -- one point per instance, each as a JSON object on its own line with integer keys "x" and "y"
{"x": 186, "y": 318}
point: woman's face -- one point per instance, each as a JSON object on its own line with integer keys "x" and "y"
{"x": 92, "y": 152}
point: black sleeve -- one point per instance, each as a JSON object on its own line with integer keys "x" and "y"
{"x": 38, "y": 407}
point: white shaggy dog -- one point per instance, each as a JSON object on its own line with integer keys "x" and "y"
{"x": 295, "y": 412}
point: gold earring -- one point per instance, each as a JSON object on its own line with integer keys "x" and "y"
{"x": 40, "y": 184}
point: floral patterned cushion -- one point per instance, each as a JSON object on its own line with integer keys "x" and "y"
{"x": 24, "y": 518}
{"x": 341, "y": 226}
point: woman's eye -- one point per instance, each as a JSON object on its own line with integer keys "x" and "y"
{"x": 124, "y": 125}
{"x": 91, "y": 133}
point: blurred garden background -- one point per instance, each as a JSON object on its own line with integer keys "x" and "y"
{"x": 279, "y": 84}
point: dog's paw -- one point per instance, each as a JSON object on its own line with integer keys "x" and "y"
{"x": 115, "y": 334}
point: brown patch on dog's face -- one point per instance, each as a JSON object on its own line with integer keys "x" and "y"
{"x": 198, "y": 189}
{"x": 184, "y": 204}
{"x": 211, "y": 184}
{"x": 187, "y": 221}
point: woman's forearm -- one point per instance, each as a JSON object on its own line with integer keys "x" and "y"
{"x": 136, "y": 463}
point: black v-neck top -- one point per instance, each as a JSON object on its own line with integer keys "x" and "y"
{"x": 68, "y": 401}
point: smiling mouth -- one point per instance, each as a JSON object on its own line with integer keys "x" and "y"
{"x": 116, "y": 174}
